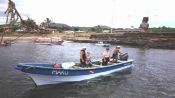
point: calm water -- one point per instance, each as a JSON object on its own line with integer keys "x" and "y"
{"x": 153, "y": 75}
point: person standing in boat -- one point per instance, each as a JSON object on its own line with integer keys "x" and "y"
{"x": 89, "y": 59}
{"x": 105, "y": 57}
{"x": 116, "y": 54}
{"x": 83, "y": 57}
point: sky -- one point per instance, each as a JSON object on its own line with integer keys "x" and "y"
{"x": 88, "y": 13}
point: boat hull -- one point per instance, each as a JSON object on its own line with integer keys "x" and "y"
{"x": 47, "y": 79}
{"x": 48, "y": 75}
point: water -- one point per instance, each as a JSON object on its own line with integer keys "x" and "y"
{"x": 151, "y": 77}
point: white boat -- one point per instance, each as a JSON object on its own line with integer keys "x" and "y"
{"x": 43, "y": 74}
{"x": 102, "y": 44}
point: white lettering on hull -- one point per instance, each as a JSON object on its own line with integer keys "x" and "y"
{"x": 58, "y": 72}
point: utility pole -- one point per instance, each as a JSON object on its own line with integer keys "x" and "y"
{"x": 112, "y": 20}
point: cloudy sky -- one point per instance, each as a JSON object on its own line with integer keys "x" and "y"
{"x": 115, "y": 13}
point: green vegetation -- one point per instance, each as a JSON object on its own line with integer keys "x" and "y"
{"x": 47, "y": 23}
{"x": 16, "y": 26}
{"x": 162, "y": 30}
{"x": 30, "y": 24}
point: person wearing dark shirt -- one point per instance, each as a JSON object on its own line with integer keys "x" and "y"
{"x": 83, "y": 57}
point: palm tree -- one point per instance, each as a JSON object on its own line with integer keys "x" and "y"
{"x": 48, "y": 22}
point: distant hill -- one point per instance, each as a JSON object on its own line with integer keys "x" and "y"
{"x": 102, "y": 27}
{"x": 98, "y": 28}
{"x": 63, "y": 26}
{"x": 82, "y": 28}
{"x": 59, "y": 25}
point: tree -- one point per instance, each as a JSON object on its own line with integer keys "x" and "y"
{"x": 92, "y": 29}
{"x": 97, "y": 29}
{"x": 47, "y": 23}
{"x": 29, "y": 24}
{"x": 76, "y": 28}
{"x": 15, "y": 26}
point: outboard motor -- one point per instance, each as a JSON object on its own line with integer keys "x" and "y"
{"x": 124, "y": 57}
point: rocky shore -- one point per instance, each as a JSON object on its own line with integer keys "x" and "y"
{"x": 146, "y": 40}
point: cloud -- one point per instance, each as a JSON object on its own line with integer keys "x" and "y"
{"x": 2, "y": 20}
{"x": 94, "y": 12}
{"x": 3, "y": 1}
{"x": 1, "y": 13}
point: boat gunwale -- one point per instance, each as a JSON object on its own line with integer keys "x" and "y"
{"x": 79, "y": 68}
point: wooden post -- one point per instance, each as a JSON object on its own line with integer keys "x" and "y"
{"x": 2, "y": 36}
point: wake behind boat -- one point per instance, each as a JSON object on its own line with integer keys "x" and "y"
{"x": 43, "y": 74}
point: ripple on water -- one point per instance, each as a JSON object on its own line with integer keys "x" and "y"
{"x": 151, "y": 77}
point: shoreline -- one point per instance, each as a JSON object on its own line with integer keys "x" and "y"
{"x": 145, "y": 40}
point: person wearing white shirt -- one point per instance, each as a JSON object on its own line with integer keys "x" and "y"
{"x": 105, "y": 57}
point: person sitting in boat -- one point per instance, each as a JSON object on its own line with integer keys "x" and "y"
{"x": 105, "y": 57}
{"x": 89, "y": 59}
{"x": 116, "y": 54}
{"x": 83, "y": 57}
